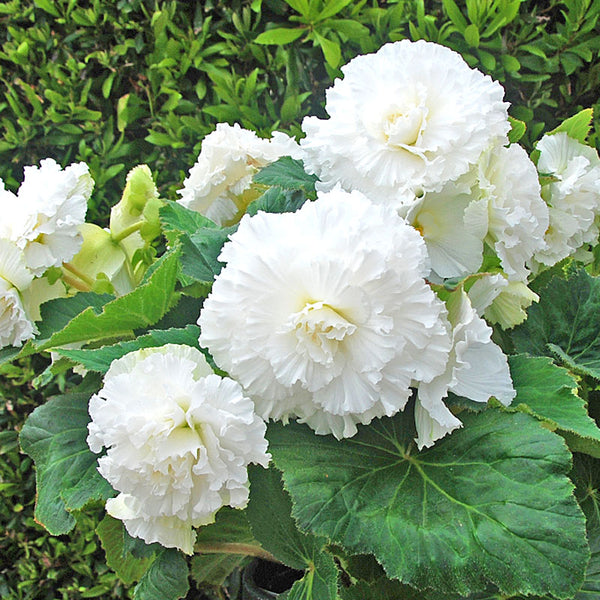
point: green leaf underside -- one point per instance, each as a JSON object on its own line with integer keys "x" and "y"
{"x": 99, "y": 359}
{"x": 124, "y": 564}
{"x": 489, "y": 504}
{"x": 166, "y": 578}
{"x": 287, "y": 173}
{"x": 139, "y": 309}
{"x": 548, "y": 392}
{"x": 269, "y": 514}
{"x": 564, "y": 324}
{"x": 54, "y": 436}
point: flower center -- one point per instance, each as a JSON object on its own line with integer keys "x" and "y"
{"x": 319, "y": 329}
{"x": 402, "y": 128}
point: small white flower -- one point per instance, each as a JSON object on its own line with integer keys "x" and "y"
{"x": 44, "y": 217}
{"x": 15, "y": 324}
{"x": 477, "y": 369}
{"x": 323, "y": 314}
{"x": 219, "y": 184}
{"x": 179, "y": 439}
{"x": 572, "y": 197}
{"x": 411, "y": 116}
{"x": 511, "y": 205}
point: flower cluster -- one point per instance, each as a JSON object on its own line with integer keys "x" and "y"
{"x": 426, "y": 226}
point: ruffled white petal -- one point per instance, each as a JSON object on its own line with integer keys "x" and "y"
{"x": 219, "y": 184}
{"x": 572, "y": 197}
{"x": 179, "y": 440}
{"x": 46, "y": 213}
{"x": 337, "y": 319}
{"x": 410, "y": 117}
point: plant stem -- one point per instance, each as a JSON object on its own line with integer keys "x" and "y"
{"x": 235, "y": 548}
{"x": 119, "y": 237}
{"x": 79, "y": 274}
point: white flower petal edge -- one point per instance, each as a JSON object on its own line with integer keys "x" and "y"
{"x": 337, "y": 319}
{"x": 179, "y": 439}
{"x": 15, "y": 325}
{"x": 47, "y": 211}
{"x": 572, "y": 197}
{"x": 510, "y": 201}
{"x": 411, "y": 116}
{"x": 219, "y": 184}
{"x": 477, "y": 369}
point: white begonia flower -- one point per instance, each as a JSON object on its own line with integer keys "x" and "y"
{"x": 477, "y": 369}
{"x": 573, "y": 196}
{"x": 411, "y": 116}
{"x": 323, "y": 314}
{"x": 511, "y": 205}
{"x": 454, "y": 247}
{"x": 219, "y": 185}
{"x": 15, "y": 324}
{"x": 179, "y": 440}
{"x": 43, "y": 218}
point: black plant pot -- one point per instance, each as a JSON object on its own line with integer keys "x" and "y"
{"x": 264, "y": 580}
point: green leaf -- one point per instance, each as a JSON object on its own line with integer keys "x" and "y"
{"x": 166, "y": 579}
{"x": 565, "y": 324}
{"x": 331, "y": 50}
{"x": 489, "y": 504}
{"x": 129, "y": 568}
{"x": 586, "y": 476}
{"x": 517, "y": 131}
{"x": 455, "y": 15}
{"x": 471, "y": 34}
{"x": 213, "y": 561}
{"x": 177, "y": 218}
{"x": 279, "y": 36}
{"x": 578, "y": 126}
{"x": 99, "y": 359}
{"x": 549, "y": 393}
{"x": 276, "y": 200}
{"x": 139, "y": 309}
{"x": 67, "y": 477}
{"x": 48, "y": 6}
{"x": 332, "y": 7}
{"x": 287, "y": 173}
{"x": 200, "y": 252}
{"x": 269, "y": 513}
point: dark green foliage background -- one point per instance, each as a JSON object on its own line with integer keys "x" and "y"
{"x": 120, "y": 82}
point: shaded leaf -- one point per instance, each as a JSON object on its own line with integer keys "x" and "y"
{"x": 67, "y": 478}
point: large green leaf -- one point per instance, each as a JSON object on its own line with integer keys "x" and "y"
{"x": 269, "y": 513}
{"x": 99, "y": 359}
{"x": 166, "y": 578}
{"x": 118, "y": 318}
{"x": 549, "y": 393}
{"x": 489, "y": 504}
{"x": 565, "y": 324}
{"x": 176, "y": 218}
{"x": 54, "y": 436}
